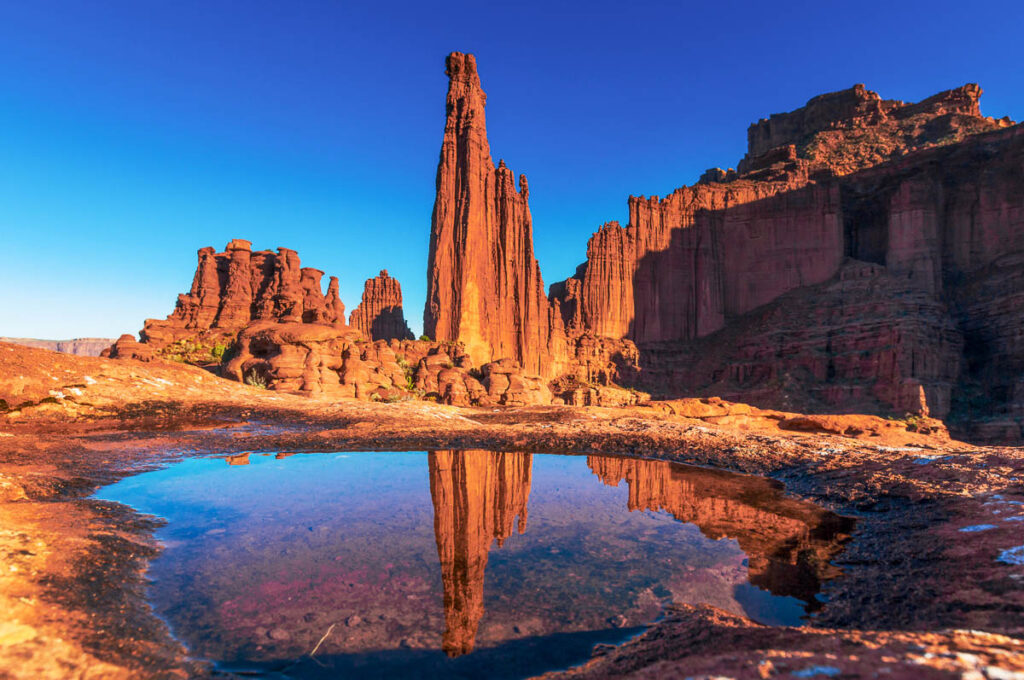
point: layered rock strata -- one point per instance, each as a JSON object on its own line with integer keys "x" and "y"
{"x": 379, "y": 315}
{"x": 237, "y": 287}
{"x": 484, "y": 287}
{"x": 847, "y": 178}
{"x": 928, "y": 194}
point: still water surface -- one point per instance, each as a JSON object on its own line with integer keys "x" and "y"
{"x": 462, "y": 563}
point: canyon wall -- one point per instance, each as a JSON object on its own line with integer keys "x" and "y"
{"x": 925, "y": 193}
{"x": 931, "y": 193}
{"x": 379, "y": 315}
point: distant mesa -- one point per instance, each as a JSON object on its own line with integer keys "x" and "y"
{"x": 86, "y": 347}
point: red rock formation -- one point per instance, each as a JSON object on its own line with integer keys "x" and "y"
{"x": 789, "y": 543}
{"x": 931, "y": 192}
{"x": 319, "y": 359}
{"x": 127, "y": 347}
{"x": 478, "y": 496}
{"x": 854, "y": 129}
{"x": 379, "y": 316}
{"x": 484, "y": 287}
{"x": 863, "y": 339}
{"x": 232, "y": 289}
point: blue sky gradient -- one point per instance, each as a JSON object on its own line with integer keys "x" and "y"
{"x": 133, "y": 132}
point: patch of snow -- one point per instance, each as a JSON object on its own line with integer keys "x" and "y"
{"x": 89, "y": 380}
{"x": 57, "y": 393}
{"x": 1012, "y": 555}
{"x": 977, "y": 527}
{"x": 1017, "y": 518}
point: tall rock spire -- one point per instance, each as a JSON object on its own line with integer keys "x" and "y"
{"x": 484, "y": 287}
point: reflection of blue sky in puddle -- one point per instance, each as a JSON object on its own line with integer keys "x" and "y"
{"x": 262, "y": 558}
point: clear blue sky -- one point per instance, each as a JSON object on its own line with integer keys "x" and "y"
{"x": 133, "y": 132}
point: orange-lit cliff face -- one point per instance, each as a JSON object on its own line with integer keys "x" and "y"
{"x": 839, "y": 266}
{"x": 789, "y": 543}
{"x": 477, "y": 497}
{"x": 484, "y": 287}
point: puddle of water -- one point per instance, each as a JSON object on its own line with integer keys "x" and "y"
{"x": 462, "y": 563}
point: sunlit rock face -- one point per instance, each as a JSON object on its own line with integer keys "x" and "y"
{"x": 891, "y": 210}
{"x": 484, "y": 287}
{"x": 885, "y": 208}
{"x": 237, "y": 287}
{"x": 479, "y": 497}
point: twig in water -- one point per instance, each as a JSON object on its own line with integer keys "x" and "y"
{"x": 329, "y": 629}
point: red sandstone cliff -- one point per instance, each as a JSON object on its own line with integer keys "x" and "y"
{"x": 849, "y": 179}
{"x": 931, "y": 193}
{"x": 379, "y": 316}
{"x": 484, "y": 287}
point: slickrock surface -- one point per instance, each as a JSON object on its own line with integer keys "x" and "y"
{"x": 379, "y": 315}
{"x": 915, "y": 576}
{"x": 86, "y": 347}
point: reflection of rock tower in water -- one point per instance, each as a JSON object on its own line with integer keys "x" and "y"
{"x": 789, "y": 543}
{"x": 477, "y": 496}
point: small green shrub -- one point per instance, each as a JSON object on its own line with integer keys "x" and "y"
{"x": 256, "y": 380}
{"x": 425, "y": 338}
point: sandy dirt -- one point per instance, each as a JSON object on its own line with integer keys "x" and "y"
{"x": 920, "y": 596}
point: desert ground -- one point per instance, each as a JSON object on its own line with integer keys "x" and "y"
{"x": 919, "y": 597}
